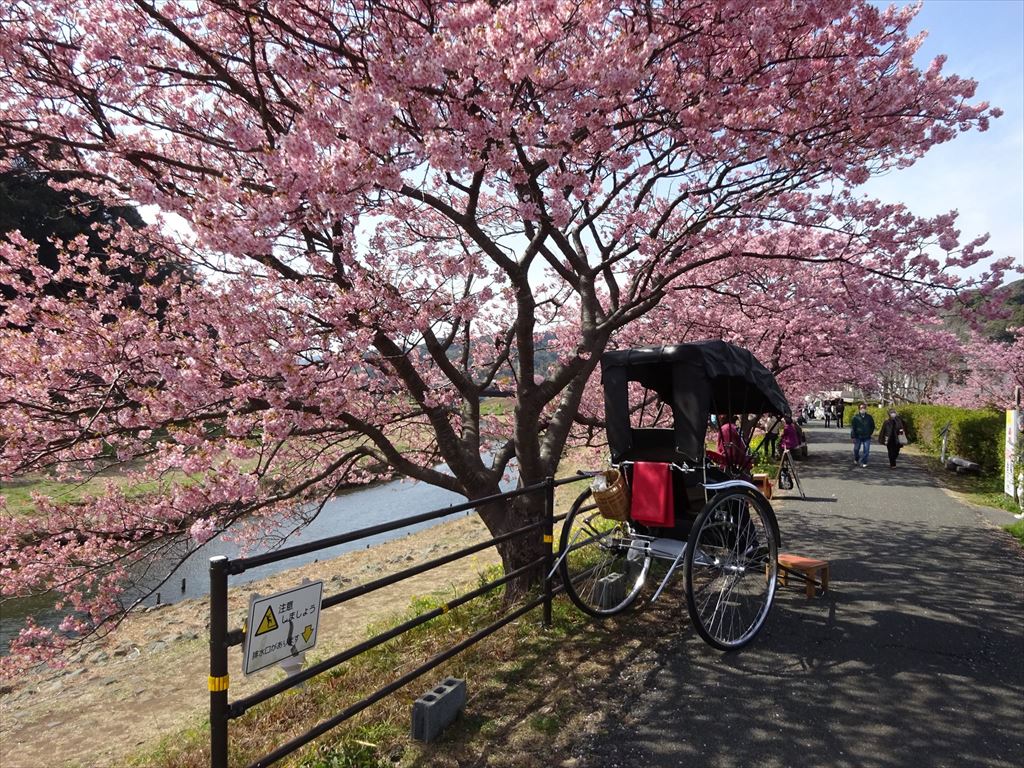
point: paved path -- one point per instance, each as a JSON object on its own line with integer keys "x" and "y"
{"x": 915, "y": 657}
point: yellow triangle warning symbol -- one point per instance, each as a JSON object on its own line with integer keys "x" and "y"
{"x": 269, "y": 623}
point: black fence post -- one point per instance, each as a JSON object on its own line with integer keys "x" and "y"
{"x": 218, "y": 681}
{"x": 549, "y": 541}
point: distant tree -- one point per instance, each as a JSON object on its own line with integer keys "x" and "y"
{"x": 989, "y": 373}
{"x": 990, "y": 314}
{"x": 1008, "y": 301}
{"x": 55, "y": 216}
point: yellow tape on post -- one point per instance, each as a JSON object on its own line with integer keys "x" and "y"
{"x": 218, "y": 683}
{"x": 548, "y": 539}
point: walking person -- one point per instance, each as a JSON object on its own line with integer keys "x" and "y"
{"x": 828, "y": 414}
{"x": 840, "y": 412}
{"x": 893, "y": 435}
{"x": 771, "y": 437}
{"x": 862, "y": 427}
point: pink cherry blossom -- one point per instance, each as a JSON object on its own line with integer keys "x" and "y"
{"x": 395, "y": 209}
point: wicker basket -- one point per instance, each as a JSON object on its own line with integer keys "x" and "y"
{"x": 613, "y": 503}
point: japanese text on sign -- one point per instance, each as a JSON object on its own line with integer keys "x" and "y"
{"x": 281, "y": 625}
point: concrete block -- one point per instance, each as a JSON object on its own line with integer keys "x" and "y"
{"x": 962, "y": 466}
{"x": 436, "y": 709}
{"x": 610, "y": 590}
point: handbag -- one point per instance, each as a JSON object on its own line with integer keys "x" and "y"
{"x": 901, "y": 438}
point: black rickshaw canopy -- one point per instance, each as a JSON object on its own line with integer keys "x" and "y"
{"x": 695, "y": 380}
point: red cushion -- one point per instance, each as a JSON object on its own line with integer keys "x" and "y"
{"x": 652, "y": 494}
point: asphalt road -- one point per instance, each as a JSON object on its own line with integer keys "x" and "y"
{"x": 914, "y": 658}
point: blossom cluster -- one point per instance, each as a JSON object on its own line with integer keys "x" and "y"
{"x": 397, "y": 209}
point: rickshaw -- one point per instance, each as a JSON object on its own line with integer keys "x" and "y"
{"x": 667, "y": 498}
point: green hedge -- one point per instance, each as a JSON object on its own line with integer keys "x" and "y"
{"x": 976, "y": 435}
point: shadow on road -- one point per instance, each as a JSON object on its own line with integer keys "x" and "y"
{"x": 914, "y": 658}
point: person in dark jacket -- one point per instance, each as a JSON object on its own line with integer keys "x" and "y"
{"x": 862, "y": 427}
{"x": 889, "y": 436}
{"x": 771, "y": 437}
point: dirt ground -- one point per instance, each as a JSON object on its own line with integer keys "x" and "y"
{"x": 152, "y": 671}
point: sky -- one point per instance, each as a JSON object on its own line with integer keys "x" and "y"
{"x": 979, "y": 174}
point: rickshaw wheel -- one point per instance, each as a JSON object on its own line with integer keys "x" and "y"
{"x": 731, "y": 563}
{"x": 606, "y": 567}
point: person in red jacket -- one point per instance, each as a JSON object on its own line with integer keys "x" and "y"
{"x": 731, "y": 448}
{"x": 790, "y": 437}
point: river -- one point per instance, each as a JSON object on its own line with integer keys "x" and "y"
{"x": 349, "y": 511}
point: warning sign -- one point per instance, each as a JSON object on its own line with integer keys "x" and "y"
{"x": 285, "y": 625}
{"x": 269, "y": 623}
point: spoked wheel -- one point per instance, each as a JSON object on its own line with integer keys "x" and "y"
{"x": 605, "y": 567}
{"x": 731, "y": 562}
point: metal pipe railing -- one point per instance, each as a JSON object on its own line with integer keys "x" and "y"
{"x": 221, "y": 711}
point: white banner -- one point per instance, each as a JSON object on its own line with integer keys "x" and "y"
{"x": 1012, "y": 435}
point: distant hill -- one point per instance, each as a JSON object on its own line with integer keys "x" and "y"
{"x": 997, "y": 330}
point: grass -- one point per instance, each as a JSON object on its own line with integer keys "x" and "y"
{"x": 497, "y": 406}
{"x": 993, "y": 497}
{"x": 18, "y": 493}
{"x": 1016, "y": 530}
{"x": 532, "y": 689}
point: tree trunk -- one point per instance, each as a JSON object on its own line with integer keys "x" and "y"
{"x": 519, "y": 551}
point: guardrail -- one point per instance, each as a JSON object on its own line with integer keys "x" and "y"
{"x": 222, "y": 711}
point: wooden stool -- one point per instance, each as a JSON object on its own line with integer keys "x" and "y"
{"x": 763, "y": 482}
{"x": 813, "y": 571}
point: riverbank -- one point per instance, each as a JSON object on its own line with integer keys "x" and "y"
{"x": 366, "y": 506}
{"x": 148, "y": 678}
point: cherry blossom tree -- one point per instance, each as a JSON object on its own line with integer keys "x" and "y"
{"x": 815, "y": 327}
{"x": 988, "y": 373}
{"x": 389, "y": 204}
